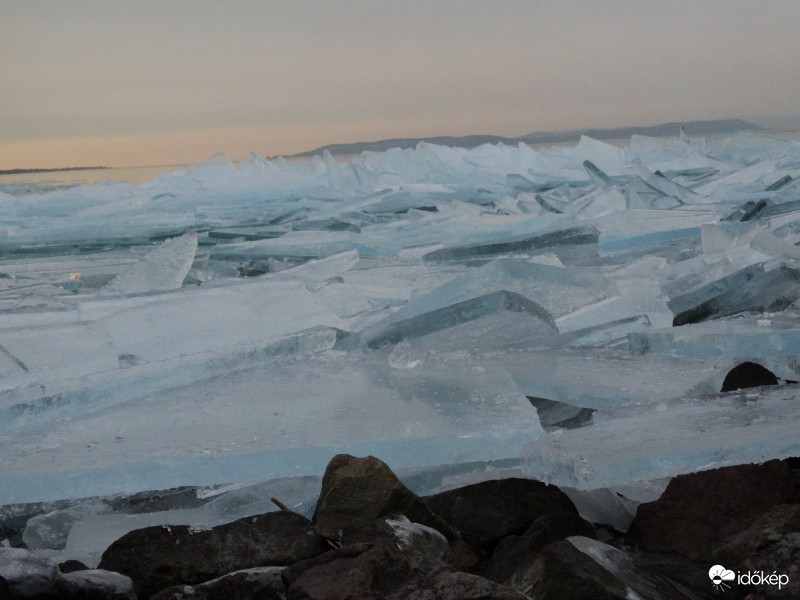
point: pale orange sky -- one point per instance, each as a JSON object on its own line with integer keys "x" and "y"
{"x": 138, "y": 83}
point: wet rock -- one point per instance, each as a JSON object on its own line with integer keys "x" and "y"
{"x": 580, "y": 568}
{"x": 163, "y": 556}
{"x": 96, "y": 584}
{"x": 486, "y": 512}
{"x": 262, "y": 583}
{"x": 463, "y": 557}
{"x": 72, "y": 565}
{"x": 25, "y": 575}
{"x": 698, "y": 510}
{"x": 770, "y": 544}
{"x": 357, "y": 491}
{"x": 414, "y": 537}
{"x": 514, "y": 550}
{"x": 386, "y": 572}
{"x": 29, "y": 576}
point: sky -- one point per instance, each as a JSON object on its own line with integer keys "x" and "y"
{"x": 123, "y": 83}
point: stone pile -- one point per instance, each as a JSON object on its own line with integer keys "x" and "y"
{"x": 371, "y": 537}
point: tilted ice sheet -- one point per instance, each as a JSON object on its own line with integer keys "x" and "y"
{"x": 774, "y": 337}
{"x": 650, "y": 440}
{"x": 131, "y": 379}
{"x": 602, "y": 378}
{"x": 164, "y": 268}
{"x": 281, "y": 419}
{"x": 156, "y": 327}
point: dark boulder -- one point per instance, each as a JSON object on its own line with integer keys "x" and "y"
{"x": 486, "y": 512}
{"x": 770, "y": 544}
{"x": 698, "y": 510}
{"x": 262, "y": 583}
{"x": 71, "y": 565}
{"x": 580, "y": 568}
{"x": 25, "y": 575}
{"x": 163, "y": 556}
{"x": 358, "y": 491}
{"x": 514, "y": 550}
{"x": 383, "y": 571}
{"x": 748, "y": 375}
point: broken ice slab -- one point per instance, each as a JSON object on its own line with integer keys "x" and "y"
{"x": 163, "y": 268}
{"x": 496, "y": 320}
{"x": 765, "y": 336}
{"x": 47, "y": 353}
{"x": 541, "y": 291}
{"x": 661, "y": 184}
{"x": 169, "y": 325}
{"x": 651, "y": 440}
{"x": 609, "y": 158}
{"x": 303, "y": 244}
{"x": 129, "y": 379}
{"x": 90, "y": 337}
{"x": 637, "y": 297}
{"x": 91, "y": 271}
{"x": 248, "y": 234}
{"x": 751, "y": 289}
{"x": 603, "y": 378}
{"x": 280, "y": 419}
{"x": 396, "y": 283}
{"x": 315, "y": 272}
{"x": 581, "y": 240}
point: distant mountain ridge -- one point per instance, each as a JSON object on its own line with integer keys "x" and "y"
{"x": 719, "y": 126}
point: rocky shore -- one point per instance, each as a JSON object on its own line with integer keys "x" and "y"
{"x": 732, "y": 532}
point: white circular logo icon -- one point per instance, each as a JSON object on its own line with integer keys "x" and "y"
{"x": 719, "y": 575}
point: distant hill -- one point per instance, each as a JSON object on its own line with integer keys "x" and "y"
{"x": 691, "y": 128}
{"x": 56, "y": 170}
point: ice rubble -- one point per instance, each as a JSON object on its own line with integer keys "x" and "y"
{"x": 231, "y": 323}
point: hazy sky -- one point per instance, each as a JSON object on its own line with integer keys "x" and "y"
{"x": 155, "y": 82}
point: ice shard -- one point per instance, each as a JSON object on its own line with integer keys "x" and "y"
{"x": 539, "y": 291}
{"x": 645, "y": 441}
{"x": 286, "y": 417}
{"x": 163, "y": 268}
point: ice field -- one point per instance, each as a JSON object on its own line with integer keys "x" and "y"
{"x": 570, "y": 311}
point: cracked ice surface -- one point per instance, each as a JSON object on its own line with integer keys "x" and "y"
{"x": 239, "y": 322}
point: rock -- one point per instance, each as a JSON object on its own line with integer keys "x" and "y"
{"x": 263, "y": 583}
{"x": 163, "y": 556}
{"x": 698, "y": 510}
{"x": 357, "y": 491}
{"x": 514, "y": 550}
{"x": 771, "y": 544}
{"x": 464, "y": 557}
{"x": 96, "y": 584}
{"x": 486, "y": 512}
{"x": 748, "y": 375}
{"x": 386, "y": 572}
{"x": 29, "y": 576}
{"x": 72, "y": 565}
{"x": 579, "y": 568}
{"x": 419, "y": 538}
{"x": 25, "y": 575}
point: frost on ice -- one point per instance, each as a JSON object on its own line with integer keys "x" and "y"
{"x": 571, "y": 312}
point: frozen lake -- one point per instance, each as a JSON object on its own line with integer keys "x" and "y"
{"x": 571, "y": 308}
